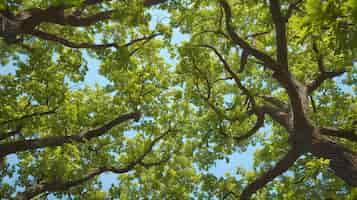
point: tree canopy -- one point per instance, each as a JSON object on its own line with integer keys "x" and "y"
{"x": 279, "y": 75}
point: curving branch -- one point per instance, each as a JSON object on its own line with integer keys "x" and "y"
{"x": 349, "y": 134}
{"x": 53, "y": 141}
{"x": 275, "y": 101}
{"x": 281, "y": 166}
{"x": 25, "y": 22}
{"x": 65, "y": 42}
{"x": 295, "y": 90}
{"x": 228, "y": 68}
{"x": 258, "y": 124}
{"x": 236, "y": 39}
{"x": 343, "y": 161}
{"x": 63, "y": 186}
{"x": 322, "y": 77}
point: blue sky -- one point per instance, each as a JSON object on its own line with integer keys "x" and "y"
{"x": 221, "y": 167}
{"x": 242, "y": 159}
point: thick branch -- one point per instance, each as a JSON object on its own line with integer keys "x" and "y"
{"x": 25, "y": 145}
{"x": 64, "y": 186}
{"x": 294, "y": 88}
{"x": 291, "y": 8}
{"x": 280, "y": 33}
{"x": 26, "y": 21}
{"x": 343, "y": 161}
{"x": 73, "y": 20}
{"x": 283, "y": 165}
{"x": 278, "y": 115}
{"x": 266, "y": 59}
{"x": 349, "y": 134}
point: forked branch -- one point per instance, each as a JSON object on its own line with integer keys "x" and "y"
{"x": 64, "y": 186}
{"x": 229, "y": 70}
{"x": 25, "y": 145}
{"x": 322, "y": 77}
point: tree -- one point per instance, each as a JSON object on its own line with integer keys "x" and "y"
{"x": 281, "y": 67}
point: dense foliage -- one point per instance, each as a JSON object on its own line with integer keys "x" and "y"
{"x": 280, "y": 75}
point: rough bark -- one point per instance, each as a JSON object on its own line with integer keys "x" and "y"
{"x": 343, "y": 161}
{"x": 25, "y": 22}
{"x": 281, "y": 166}
{"x": 304, "y": 136}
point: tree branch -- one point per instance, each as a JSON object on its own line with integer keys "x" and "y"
{"x": 278, "y": 115}
{"x": 343, "y": 161}
{"x": 266, "y": 59}
{"x": 275, "y": 101}
{"x": 283, "y": 165}
{"x": 258, "y": 124}
{"x": 52, "y": 141}
{"x": 8, "y": 134}
{"x": 294, "y": 88}
{"x": 153, "y": 2}
{"x": 231, "y": 73}
{"x": 65, "y": 42}
{"x": 349, "y": 134}
{"x": 63, "y": 186}
{"x": 323, "y": 76}
{"x": 29, "y": 116}
{"x": 291, "y": 8}
{"x": 280, "y": 33}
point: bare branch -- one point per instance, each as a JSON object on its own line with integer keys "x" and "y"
{"x": 65, "y": 42}
{"x": 283, "y": 165}
{"x": 257, "y": 34}
{"x": 349, "y": 134}
{"x": 25, "y": 145}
